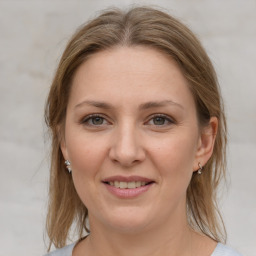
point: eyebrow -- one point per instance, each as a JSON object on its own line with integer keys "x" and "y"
{"x": 143, "y": 106}
{"x": 155, "y": 104}
{"x": 97, "y": 104}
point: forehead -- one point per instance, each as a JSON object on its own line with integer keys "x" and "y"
{"x": 130, "y": 73}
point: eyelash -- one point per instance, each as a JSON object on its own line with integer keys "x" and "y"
{"x": 165, "y": 117}
{"x": 87, "y": 119}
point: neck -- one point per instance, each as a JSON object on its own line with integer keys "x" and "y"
{"x": 171, "y": 240}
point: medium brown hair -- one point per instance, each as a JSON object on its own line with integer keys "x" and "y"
{"x": 151, "y": 28}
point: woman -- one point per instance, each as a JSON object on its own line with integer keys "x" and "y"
{"x": 138, "y": 140}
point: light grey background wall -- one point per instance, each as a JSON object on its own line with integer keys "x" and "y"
{"x": 32, "y": 37}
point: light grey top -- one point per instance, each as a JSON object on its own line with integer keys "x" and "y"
{"x": 65, "y": 251}
{"x": 220, "y": 250}
{"x": 224, "y": 250}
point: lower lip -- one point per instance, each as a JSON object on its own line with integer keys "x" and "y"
{"x": 128, "y": 192}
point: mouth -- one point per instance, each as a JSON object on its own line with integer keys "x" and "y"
{"x": 127, "y": 185}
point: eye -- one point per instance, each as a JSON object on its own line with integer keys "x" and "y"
{"x": 160, "y": 120}
{"x": 94, "y": 120}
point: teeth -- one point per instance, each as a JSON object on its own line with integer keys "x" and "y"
{"x": 137, "y": 184}
{"x": 124, "y": 185}
{"x": 131, "y": 184}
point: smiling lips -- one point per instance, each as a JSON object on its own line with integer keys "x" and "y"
{"x": 127, "y": 187}
{"x": 123, "y": 184}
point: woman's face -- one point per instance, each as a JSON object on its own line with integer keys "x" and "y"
{"x": 132, "y": 138}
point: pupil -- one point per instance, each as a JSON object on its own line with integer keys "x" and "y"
{"x": 159, "y": 120}
{"x": 97, "y": 120}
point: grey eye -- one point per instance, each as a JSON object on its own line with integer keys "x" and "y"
{"x": 159, "y": 120}
{"x": 97, "y": 120}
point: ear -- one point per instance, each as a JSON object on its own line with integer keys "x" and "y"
{"x": 206, "y": 142}
{"x": 63, "y": 146}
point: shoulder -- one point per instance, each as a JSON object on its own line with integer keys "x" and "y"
{"x": 65, "y": 251}
{"x": 224, "y": 250}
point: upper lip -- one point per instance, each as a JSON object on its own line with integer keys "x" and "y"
{"x": 127, "y": 179}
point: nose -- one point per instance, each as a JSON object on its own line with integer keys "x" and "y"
{"x": 126, "y": 147}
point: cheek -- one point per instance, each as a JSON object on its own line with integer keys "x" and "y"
{"x": 86, "y": 156}
{"x": 176, "y": 150}
{"x": 85, "y": 159}
{"x": 85, "y": 151}
{"x": 174, "y": 159}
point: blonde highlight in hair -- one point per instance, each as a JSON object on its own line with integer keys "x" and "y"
{"x": 153, "y": 28}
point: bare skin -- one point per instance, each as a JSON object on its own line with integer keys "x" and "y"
{"x": 131, "y": 113}
{"x": 188, "y": 244}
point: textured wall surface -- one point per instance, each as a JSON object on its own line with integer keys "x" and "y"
{"x": 32, "y": 37}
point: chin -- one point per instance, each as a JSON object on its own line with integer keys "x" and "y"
{"x": 128, "y": 226}
{"x": 128, "y": 221}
